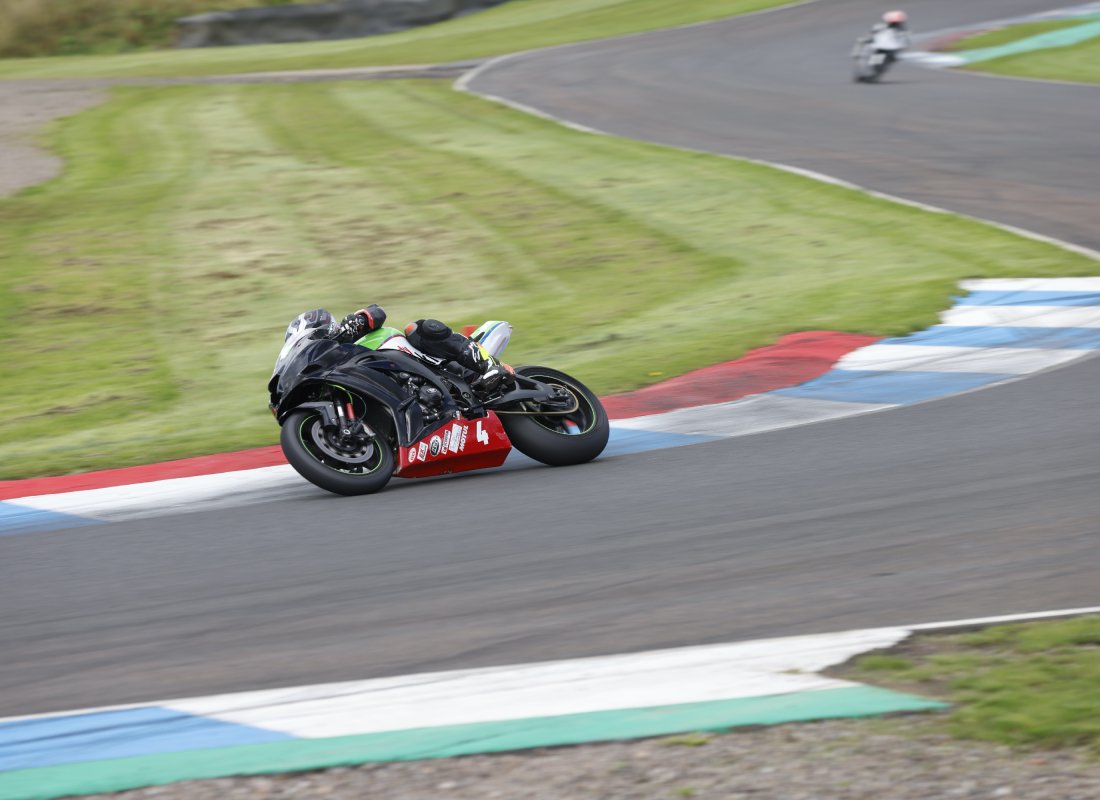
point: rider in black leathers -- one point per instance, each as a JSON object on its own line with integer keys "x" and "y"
{"x": 429, "y": 336}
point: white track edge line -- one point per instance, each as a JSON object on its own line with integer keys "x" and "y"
{"x": 983, "y": 621}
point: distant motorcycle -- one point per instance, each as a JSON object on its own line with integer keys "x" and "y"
{"x": 876, "y": 51}
{"x": 354, "y": 415}
{"x": 870, "y": 62}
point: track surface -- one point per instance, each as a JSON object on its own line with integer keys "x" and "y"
{"x": 775, "y": 86}
{"x": 977, "y": 505}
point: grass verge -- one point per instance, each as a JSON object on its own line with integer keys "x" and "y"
{"x": 147, "y": 288}
{"x": 1030, "y": 684}
{"x": 516, "y": 25}
{"x": 1079, "y": 62}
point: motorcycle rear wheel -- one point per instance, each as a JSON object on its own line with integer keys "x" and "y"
{"x": 317, "y": 459}
{"x": 560, "y": 439}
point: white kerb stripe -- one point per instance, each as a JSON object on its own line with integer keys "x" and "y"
{"x": 927, "y": 358}
{"x": 662, "y": 677}
{"x": 171, "y": 496}
{"x": 755, "y": 414}
{"x": 1024, "y": 316}
{"x": 1031, "y": 285}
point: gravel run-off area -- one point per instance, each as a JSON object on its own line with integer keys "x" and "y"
{"x": 25, "y": 107}
{"x": 896, "y": 759}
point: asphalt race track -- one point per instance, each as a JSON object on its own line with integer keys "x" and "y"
{"x": 980, "y": 504}
{"x": 776, "y": 86}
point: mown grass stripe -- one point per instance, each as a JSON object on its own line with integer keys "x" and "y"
{"x": 193, "y": 222}
{"x": 442, "y": 742}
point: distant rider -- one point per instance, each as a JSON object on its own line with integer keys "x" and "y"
{"x": 889, "y": 37}
{"x": 430, "y": 336}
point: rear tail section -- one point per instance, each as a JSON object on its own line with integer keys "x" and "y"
{"x": 494, "y": 336}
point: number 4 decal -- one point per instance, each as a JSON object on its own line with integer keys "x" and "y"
{"x": 482, "y": 435}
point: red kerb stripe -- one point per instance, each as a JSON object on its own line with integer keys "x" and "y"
{"x": 183, "y": 468}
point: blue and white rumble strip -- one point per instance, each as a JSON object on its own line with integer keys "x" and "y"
{"x": 433, "y": 715}
{"x": 1000, "y": 330}
{"x": 442, "y": 714}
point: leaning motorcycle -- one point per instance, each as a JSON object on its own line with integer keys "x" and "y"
{"x": 355, "y": 415}
{"x": 870, "y": 62}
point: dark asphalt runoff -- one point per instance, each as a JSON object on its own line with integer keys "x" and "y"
{"x": 981, "y": 504}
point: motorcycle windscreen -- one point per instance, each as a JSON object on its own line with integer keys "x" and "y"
{"x": 306, "y": 326}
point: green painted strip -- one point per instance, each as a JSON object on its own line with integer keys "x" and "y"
{"x": 453, "y": 740}
{"x": 1059, "y": 38}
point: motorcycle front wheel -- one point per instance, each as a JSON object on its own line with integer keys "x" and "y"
{"x": 559, "y": 439}
{"x": 362, "y": 466}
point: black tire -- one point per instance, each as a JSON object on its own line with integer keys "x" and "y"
{"x": 325, "y": 470}
{"x": 547, "y": 439}
{"x": 867, "y": 74}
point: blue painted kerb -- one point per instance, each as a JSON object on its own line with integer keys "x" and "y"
{"x": 101, "y": 735}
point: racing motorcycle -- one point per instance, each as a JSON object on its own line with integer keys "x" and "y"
{"x": 870, "y": 62}
{"x": 355, "y": 415}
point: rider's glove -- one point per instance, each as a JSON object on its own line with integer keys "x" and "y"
{"x": 357, "y": 325}
{"x": 354, "y": 326}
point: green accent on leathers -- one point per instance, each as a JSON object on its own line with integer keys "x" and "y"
{"x": 374, "y": 339}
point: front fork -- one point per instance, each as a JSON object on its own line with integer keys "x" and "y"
{"x": 341, "y": 416}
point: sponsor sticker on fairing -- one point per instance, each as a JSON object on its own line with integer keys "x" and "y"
{"x": 455, "y": 444}
{"x": 446, "y": 439}
{"x": 422, "y": 451}
{"x": 434, "y": 445}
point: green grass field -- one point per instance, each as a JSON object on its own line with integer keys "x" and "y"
{"x": 146, "y": 290}
{"x": 1031, "y": 685}
{"x": 1079, "y": 62}
{"x": 516, "y": 25}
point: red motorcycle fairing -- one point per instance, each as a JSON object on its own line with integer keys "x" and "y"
{"x": 458, "y": 446}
